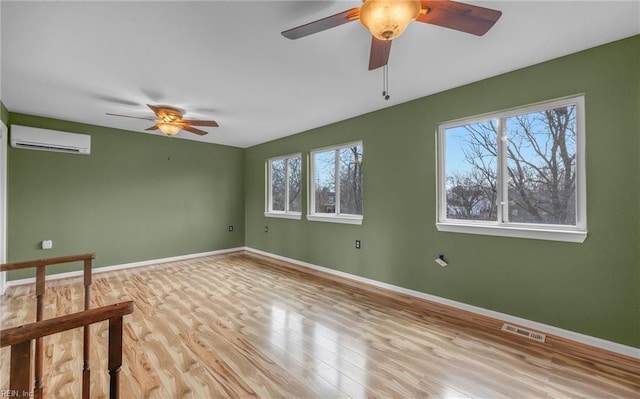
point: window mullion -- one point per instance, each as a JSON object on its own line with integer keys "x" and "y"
{"x": 502, "y": 169}
{"x": 270, "y": 184}
{"x": 337, "y": 181}
{"x": 286, "y": 184}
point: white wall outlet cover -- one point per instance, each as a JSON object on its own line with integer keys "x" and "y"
{"x": 441, "y": 262}
{"x": 47, "y": 244}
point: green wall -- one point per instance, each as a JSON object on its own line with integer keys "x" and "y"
{"x": 4, "y": 113}
{"x": 592, "y": 288}
{"x": 126, "y": 201}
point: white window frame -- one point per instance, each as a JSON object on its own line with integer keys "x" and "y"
{"x": 311, "y": 198}
{"x": 574, "y": 233}
{"x": 269, "y": 212}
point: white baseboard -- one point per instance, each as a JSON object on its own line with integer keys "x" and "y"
{"x": 105, "y": 269}
{"x": 544, "y": 328}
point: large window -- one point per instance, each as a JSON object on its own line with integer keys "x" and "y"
{"x": 335, "y": 191}
{"x": 284, "y": 187}
{"x": 518, "y": 173}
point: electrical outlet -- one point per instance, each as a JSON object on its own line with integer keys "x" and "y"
{"x": 47, "y": 244}
{"x": 357, "y": 244}
{"x": 266, "y": 229}
{"x": 440, "y": 260}
{"x": 230, "y": 228}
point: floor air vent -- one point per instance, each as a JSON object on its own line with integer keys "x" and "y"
{"x": 525, "y": 333}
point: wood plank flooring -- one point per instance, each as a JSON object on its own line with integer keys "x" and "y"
{"x": 234, "y": 327}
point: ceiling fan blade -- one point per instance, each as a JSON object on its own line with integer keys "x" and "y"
{"x": 194, "y": 130}
{"x": 134, "y": 117}
{"x": 153, "y": 108}
{"x": 459, "y": 16}
{"x": 322, "y": 24}
{"x": 154, "y": 127}
{"x": 200, "y": 123}
{"x": 380, "y": 50}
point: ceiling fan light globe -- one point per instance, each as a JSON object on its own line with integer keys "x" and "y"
{"x": 387, "y": 19}
{"x": 168, "y": 128}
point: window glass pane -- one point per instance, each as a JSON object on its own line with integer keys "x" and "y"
{"x": 471, "y": 171}
{"x": 324, "y": 181}
{"x": 295, "y": 184}
{"x": 351, "y": 180}
{"x": 541, "y": 162}
{"x": 277, "y": 184}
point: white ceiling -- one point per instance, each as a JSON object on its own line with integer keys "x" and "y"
{"x": 226, "y": 60}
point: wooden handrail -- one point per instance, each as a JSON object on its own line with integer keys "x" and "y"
{"x": 27, "y": 332}
{"x": 19, "y": 338}
{"x": 7, "y": 267}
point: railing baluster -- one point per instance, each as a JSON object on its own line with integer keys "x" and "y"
{"x": 115, "y": 356}
{"x": 40, "y": 289}
{"x": 86, "y": 344}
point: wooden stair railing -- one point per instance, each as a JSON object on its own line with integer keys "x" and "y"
{"x": 40, "y": 266}
{"x": 19, "y": 338}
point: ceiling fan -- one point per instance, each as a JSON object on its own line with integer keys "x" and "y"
{"x": 387, "y": 19}
{"x": 169, "y": 121}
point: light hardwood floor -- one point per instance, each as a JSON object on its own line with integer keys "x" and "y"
{"x": 234, "y": 327}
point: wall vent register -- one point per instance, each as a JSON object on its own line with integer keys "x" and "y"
{"x": 523, "y": 332}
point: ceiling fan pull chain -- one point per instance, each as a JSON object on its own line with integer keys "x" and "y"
{"x": 385, "y": 82}
{"x": 169, "y": 149}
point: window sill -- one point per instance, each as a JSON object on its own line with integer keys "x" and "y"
{"x": 546, "y": 233}
{"x": 284, "y": 215}
{"x": 353, "y": 219}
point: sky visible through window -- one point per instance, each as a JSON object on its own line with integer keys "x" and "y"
{"x": 454, "y": 154}
{"x": 457, "y": 151}
{"x": 324, "y": 163}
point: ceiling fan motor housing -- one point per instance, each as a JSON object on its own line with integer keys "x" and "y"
{"x": 169, "y": 114}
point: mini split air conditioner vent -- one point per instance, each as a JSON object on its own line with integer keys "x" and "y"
{"x": 523, "y": 332}
{"x": 32, "y": 138}
{"x": 45, "y": 147}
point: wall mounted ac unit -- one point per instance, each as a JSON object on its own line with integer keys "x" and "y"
{"x": 33, "y": 138}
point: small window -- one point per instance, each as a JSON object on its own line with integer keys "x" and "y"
{"x": 336, "y": 184}
{"x": 284, "y": 187}
{"x": 518, "y": 173}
